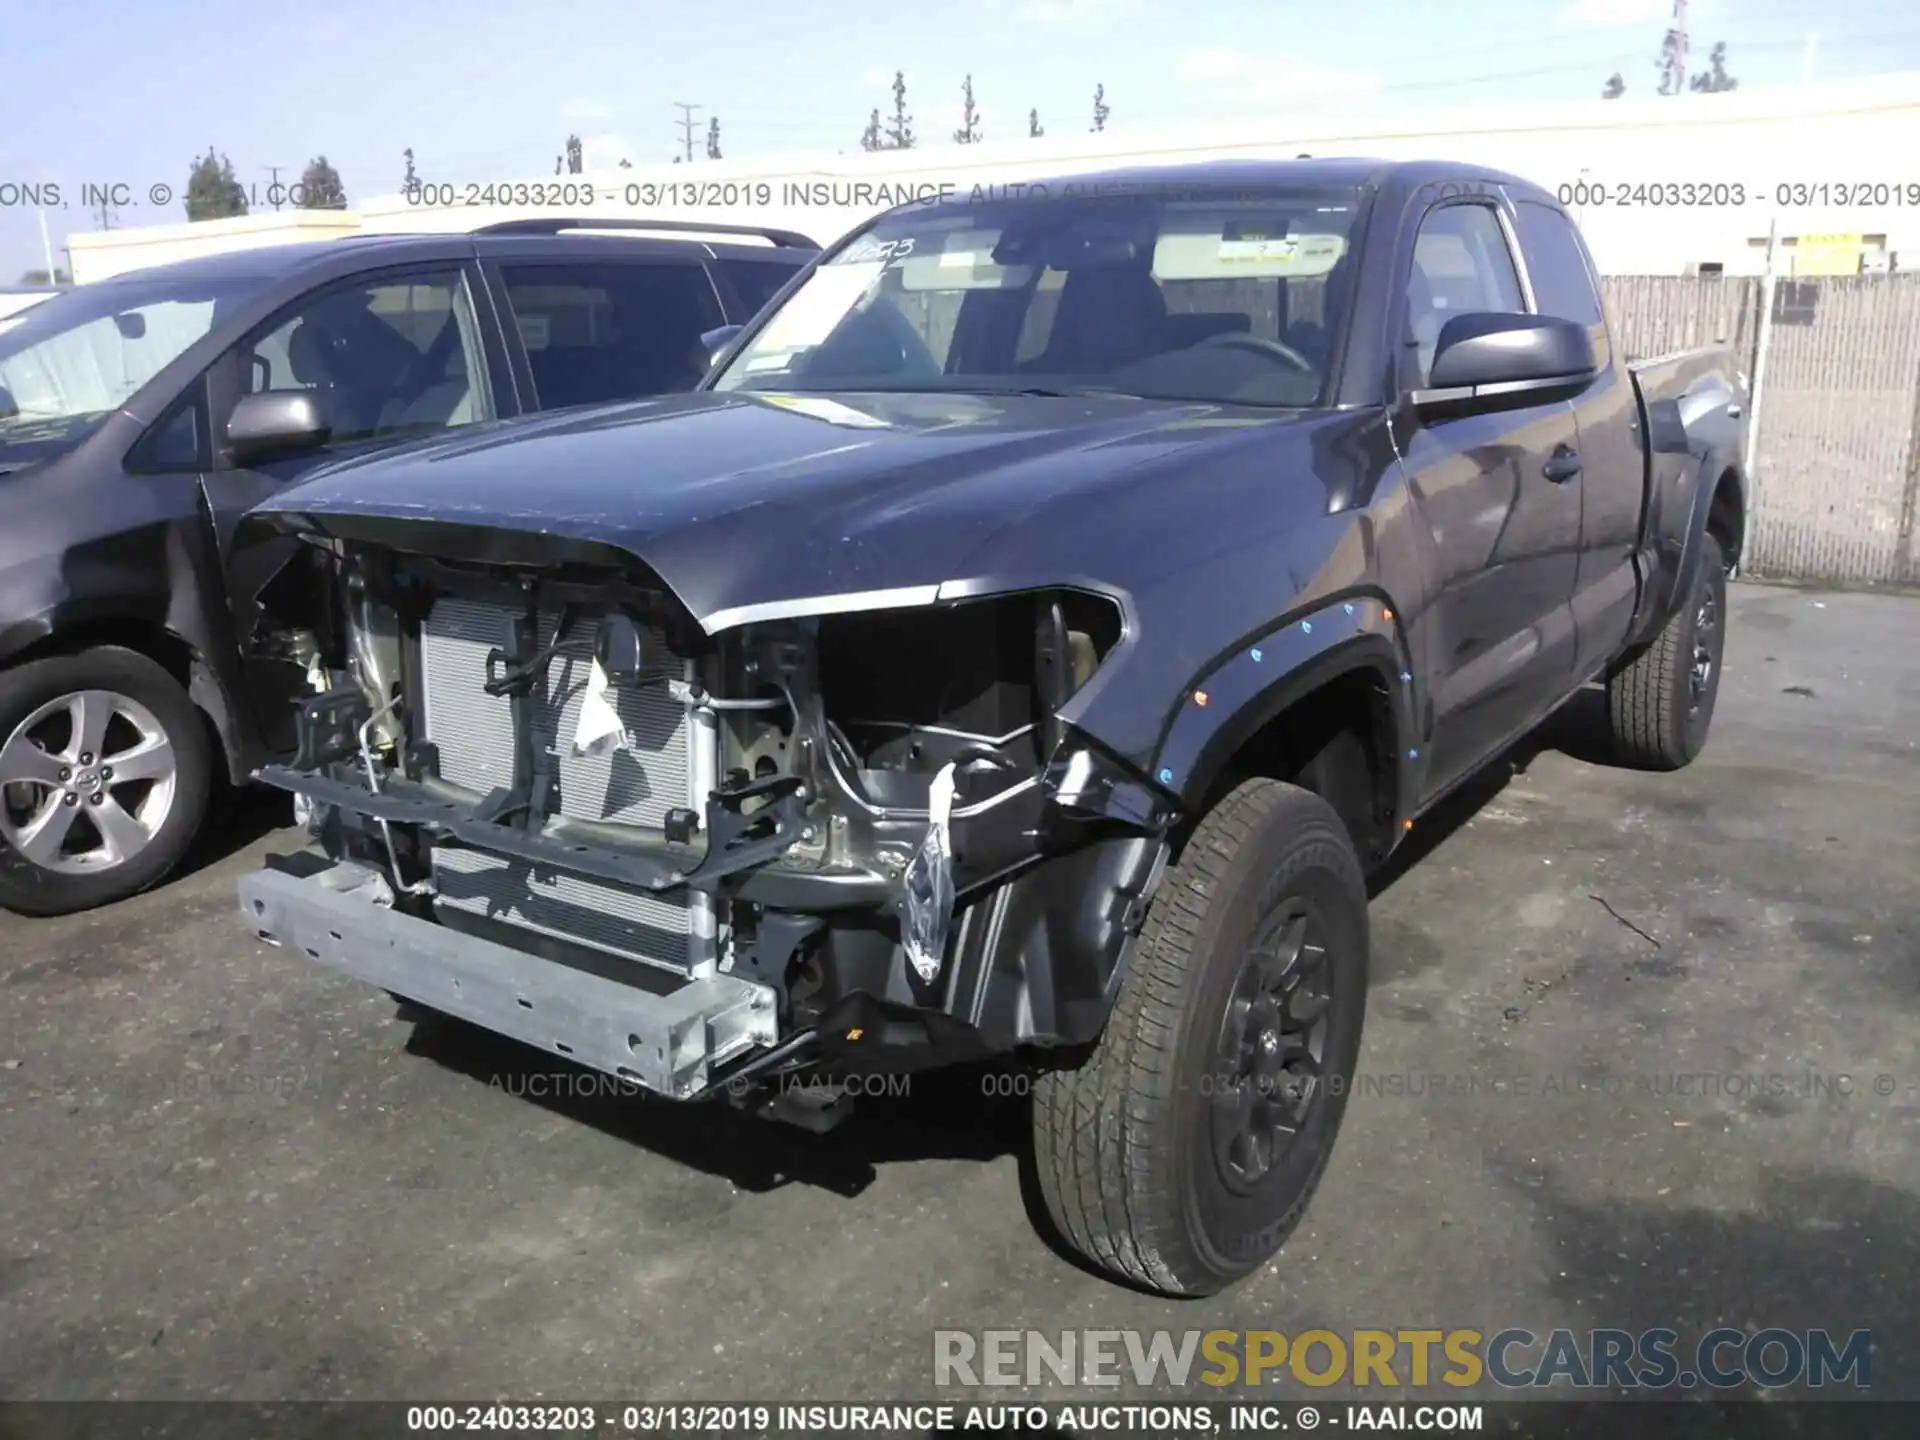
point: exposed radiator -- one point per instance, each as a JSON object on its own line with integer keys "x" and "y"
{"x": 473, "y": 732}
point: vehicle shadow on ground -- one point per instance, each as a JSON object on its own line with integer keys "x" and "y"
{"x": 968, "y": 1112}
{"x": 1577, "y": 730}
{"x": 237, "y": 817}
{"x": 962, "y": 1113}
{"x": 1810, "y": 1249}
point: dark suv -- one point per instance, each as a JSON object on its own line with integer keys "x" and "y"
{"x": 139, "y": 417}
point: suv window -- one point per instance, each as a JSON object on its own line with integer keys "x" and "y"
{"x": 1461, "y": 265}
{"x": 758, "y": 281}
{"x": 178, "y": 441}
{"x": 1562, "y": 284}
{"x": 397, "y": 355}
{"x": 612, "y": 331}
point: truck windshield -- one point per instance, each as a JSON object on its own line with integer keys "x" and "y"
{"x": 70, "y": 361}
{"x": 1233, "y": 297}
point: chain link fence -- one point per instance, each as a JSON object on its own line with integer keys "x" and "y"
{"x": 1835, "y": 424}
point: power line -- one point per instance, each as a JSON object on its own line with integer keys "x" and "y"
{"x": 457, "y": 165}
{"x": 686, "y": 125}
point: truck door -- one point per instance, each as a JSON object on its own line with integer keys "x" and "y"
{"x": 1612, "y": 481}
{"x": 1499, "y": 505}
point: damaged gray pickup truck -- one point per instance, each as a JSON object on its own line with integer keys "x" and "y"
{"x": 1024, "y": 646}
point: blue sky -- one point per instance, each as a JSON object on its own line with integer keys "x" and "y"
{"x": 132, "y": 93}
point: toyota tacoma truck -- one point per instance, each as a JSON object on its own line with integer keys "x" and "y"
{"x": 1021, "y": 648}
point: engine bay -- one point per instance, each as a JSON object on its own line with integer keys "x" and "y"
{"x": 874, "y": 820}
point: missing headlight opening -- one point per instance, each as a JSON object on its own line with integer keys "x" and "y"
{"x": 908, "y": 689}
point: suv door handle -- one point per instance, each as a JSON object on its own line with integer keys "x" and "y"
{"x": 1562, "y": 465}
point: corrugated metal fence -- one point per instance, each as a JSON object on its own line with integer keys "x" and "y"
{"x": 1836, "y": 437}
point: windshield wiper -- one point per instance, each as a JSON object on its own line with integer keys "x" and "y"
{"x": 1046, "y": 392}
{"x": 1050, "y": 392}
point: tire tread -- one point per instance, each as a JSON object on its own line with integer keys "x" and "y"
{"x": 1647, "y": 697}
{"x": 1100, "y": 1131}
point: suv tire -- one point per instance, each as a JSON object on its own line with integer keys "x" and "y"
{"x": 1159, "y": 1157}
{"x": 75, "y": 832}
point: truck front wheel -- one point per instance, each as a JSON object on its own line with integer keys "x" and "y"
{"x": 1184, "y": 1150}
{"x": 1660, "y": 704}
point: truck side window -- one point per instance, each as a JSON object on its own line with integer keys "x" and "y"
{"x": 1562, "y": 284}
{"x": 1461, "y": 265}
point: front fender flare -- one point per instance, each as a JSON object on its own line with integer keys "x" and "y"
{"x": 1242, "y": 690}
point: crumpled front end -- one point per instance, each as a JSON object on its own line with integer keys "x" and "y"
{"x": 544, "y": 800}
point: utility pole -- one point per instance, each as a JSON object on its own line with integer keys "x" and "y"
{"x": 273, "y": 191}
{"x": 1678, "y": 62}
{"x": 686, "y": 125}
{"x": 46, "y": 247}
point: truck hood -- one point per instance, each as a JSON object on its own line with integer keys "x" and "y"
{"x": 748, "y": 506}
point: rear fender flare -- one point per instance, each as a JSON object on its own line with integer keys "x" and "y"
{"x": 1240, "y": 691}
{"x": 1706, "y": 482}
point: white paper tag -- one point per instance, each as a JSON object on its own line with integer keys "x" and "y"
{"x": 927, "y": 911}
{"x": 599, "y": 731}
{"x": 940, "y": 799}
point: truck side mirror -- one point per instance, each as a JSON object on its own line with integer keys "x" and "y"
{"x": 274, "y": 424}
{"x": 1481, "y": 359}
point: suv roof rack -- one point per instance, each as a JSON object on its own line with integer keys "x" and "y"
{"x": 553, "y": 225}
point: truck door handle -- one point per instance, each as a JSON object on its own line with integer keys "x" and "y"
{"x": 1562, "y": 465}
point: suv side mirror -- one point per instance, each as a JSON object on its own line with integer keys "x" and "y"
{"x": 274, "y": 424}
{"x": 1488, "y": 357}
{"x": 717, "y": 340}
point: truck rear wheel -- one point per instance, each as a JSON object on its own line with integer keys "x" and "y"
{"x": 1184, "y": 1150}
{"x": 1660, "y": 704}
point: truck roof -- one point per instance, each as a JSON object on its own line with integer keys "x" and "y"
{"x": 1304, "y": 170}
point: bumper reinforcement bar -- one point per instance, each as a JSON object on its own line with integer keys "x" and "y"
{"x": 668, "y": 1043}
